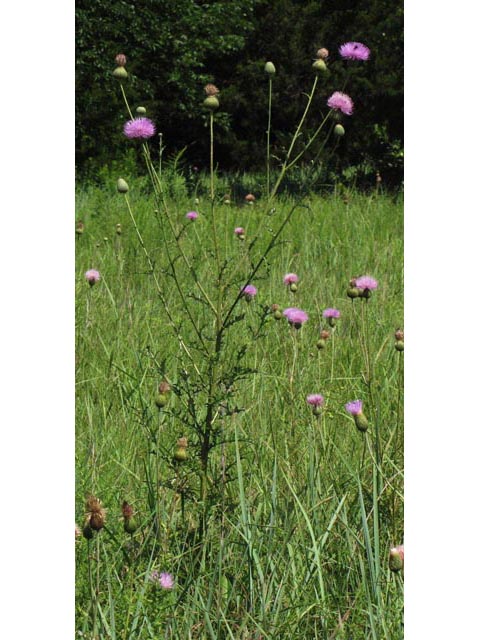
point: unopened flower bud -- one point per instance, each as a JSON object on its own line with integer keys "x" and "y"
{"x": 396, "y": 558}
{"x": 293, "y": 287}
{"x": 319, "y": 66}
{"x": 120, "y": 60}
{"x": 322, "y": 54}
{"x": 120, "y": 73}
{"x": 161, "y": 400}
{"x": 141, "y": 111}
{"x": 338, "y": 130}
{"x": 353, "y": 292}
{"x": 211, "y": 103}
{"x": 79, "y": 228}
{"x": 122, "y": 186}
{"x": 129, "y": 522}
{"x": 270, "y": 68}
{"x": 399, "y": 345}
{"x": 321, "y": 344}
{"x": 118, "y": 228}
{"x": 181, "y": 454}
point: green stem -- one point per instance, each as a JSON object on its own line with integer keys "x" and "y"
{"x": 212, "y": 192}
{"x": 268, "y": 133}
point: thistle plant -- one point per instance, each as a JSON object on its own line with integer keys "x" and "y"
{"x": 209, "y": 369}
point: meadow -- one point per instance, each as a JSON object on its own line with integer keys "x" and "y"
{"x": 280, "y": 524}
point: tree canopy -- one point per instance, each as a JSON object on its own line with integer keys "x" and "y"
{"x": 174, "y": 47}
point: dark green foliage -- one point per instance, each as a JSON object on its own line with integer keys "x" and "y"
{"x": 174, "y": 48}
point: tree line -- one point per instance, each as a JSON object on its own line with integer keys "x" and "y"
{"x": 175, "y": 47}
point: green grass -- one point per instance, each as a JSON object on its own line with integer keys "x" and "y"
{"x": 304, "y": 510}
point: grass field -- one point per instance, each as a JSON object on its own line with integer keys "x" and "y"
{"x": 285, "y": 533}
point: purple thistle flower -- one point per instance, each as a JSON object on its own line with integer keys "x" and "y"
{"x": 366, "y": 282}
{"x": 92, "y": 276}
{"x": 249, "y": 292}
{"x": 354, "y": 51}
{"x": 355, "y": 407}
{"x": 239, "y": 231}
{"x": 191, "y": 215}
{"x": 315, "y": 399}
{"x": 290, "y": 278}
{"x": 341, "y": 102}
{"x": 331, "y": 313}
{"x": 165, "y": 580}
{"x": 295, "y": 317}
{"x": 142, "y": 128}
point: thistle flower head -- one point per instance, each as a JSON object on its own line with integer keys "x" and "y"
{"x": 163, "y": 579}
{"x": 341, "y": 102}
{"x": 290, "y": 278}
{"x": 331, "y": 313}
{"x": 120, "y": 60}
{"x": 295, "y": 317}
{"x": 139, "y": 128}
{"x": 366, "y": 282}
{"x": 239, "y": 231}
{"x": 354, "y": 51}
{"x": 354, "y": 407}
{"x": 249, "y": 292}
{"x": 315, "y": 399}
{"x": 92, "y": 276}
{"x": 191, "y": 215}
{"x": 211, "y": 90}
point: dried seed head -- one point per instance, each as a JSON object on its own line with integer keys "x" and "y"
{"x": 164, "y": 387}
{"x": 79, "y": 227}
{"x": 211, "y": 90}
{"x": 399, "y": 334}
{"x": 250, "y": 197}
{"x": 127, "y": 510}
{"x": 96, "y": 514}
{"x": 322, "y": 54}
{"x": 182, "y": 442}
{"x": 324, "y": 334}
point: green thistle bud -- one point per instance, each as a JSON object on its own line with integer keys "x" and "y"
{"x": 317, "y": 411}
{"x": 293, "y": 287}
{"x": 87, "y": 532}
{"x": 161, "y": 400}
{"x": 366, "y": 293}
{"x": 79, "y": 228}
{"x": 321, "y": 344}
{"x": 122, "y": 186}
{"x": 319, "y": 66}
{"x": 396, "y": 559}
{"x": 270, "y": 68}
{"x": 332, "y": 321}
{"x": 277, "y": 314}
{"x": 130, "y": 525}
{"x": 181, "y": 454}
{"x": 211, "y": 103}
{"x": 399, "y": 345}
{"x": 120, "y": 73}
{"x": 141, "y": 111}
{"x": 118, "y": 229}
{"x": 353, "y": 292}
{"x": 338, "y": 130}
{"x": 361, "y": 422}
